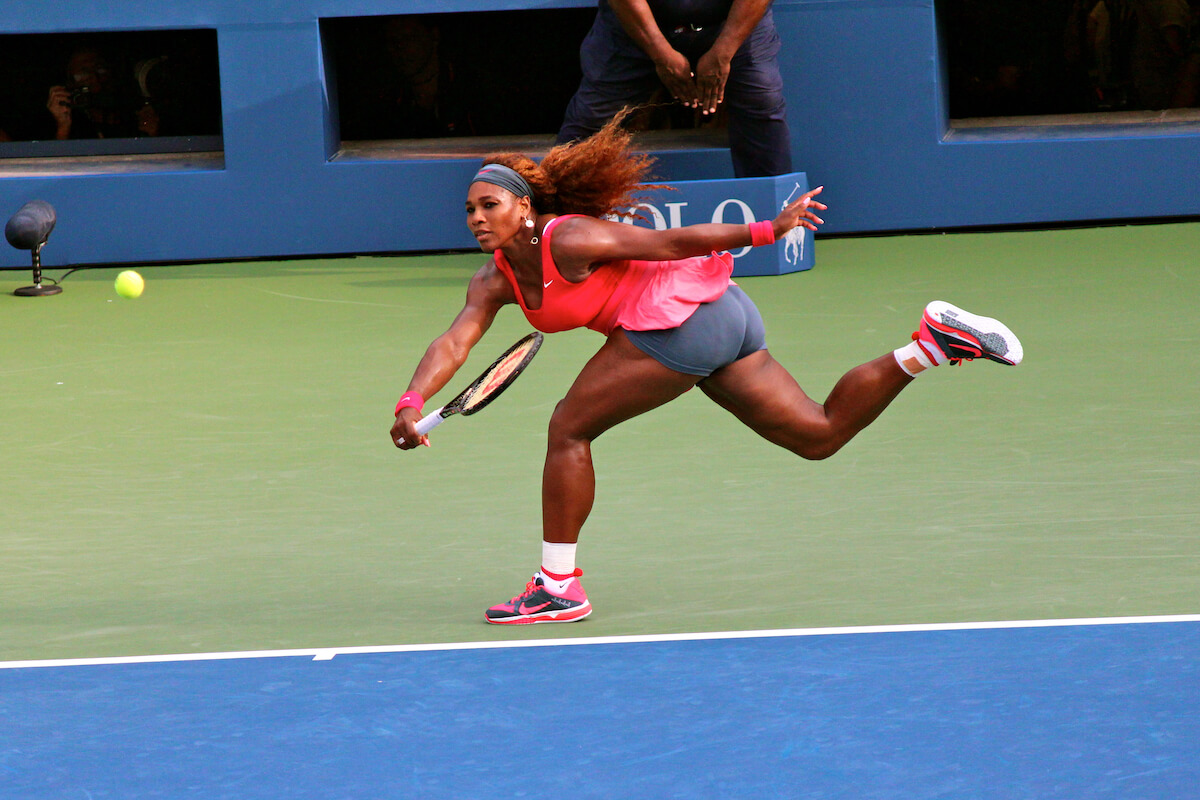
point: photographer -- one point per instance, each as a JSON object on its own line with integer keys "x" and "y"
{"x": 90, "y": 105}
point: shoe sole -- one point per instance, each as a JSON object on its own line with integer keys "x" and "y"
{"x": 972, "y": 336}
{"x": 567, "y": 615}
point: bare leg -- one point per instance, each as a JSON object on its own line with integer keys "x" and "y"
{"x": 762, "y": 394}
{"x": 618, "y": 383}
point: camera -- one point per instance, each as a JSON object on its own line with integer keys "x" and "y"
{"x": 81, "y": 97}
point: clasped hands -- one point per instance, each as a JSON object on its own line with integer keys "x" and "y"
{"x": 703, "y": 89}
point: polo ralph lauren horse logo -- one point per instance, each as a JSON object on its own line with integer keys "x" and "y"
{"x": 793, "y": 240}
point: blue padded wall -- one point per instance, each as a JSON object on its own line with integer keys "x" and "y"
{"x": 867, "y": 110}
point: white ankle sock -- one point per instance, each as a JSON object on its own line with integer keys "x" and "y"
{"x": 559, "y": 557}
{"x": 914, "y": 359}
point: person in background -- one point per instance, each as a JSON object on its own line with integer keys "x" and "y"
{"x": 90, "y": 104}
{"x": 1160, "y": 45}
{"x": 1187, "y": 87}
{"x": 706, "y": 53}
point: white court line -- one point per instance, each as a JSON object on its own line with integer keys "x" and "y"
{"x": 328, "y": 653}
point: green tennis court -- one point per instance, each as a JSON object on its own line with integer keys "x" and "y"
{"x": 208, "y": 469}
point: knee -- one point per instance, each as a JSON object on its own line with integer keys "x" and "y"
{"x": 563, "y": 430}
{"x": 815, "y": 453}
{"x": 818, "y": 449}
{"x": 812, "y": 443}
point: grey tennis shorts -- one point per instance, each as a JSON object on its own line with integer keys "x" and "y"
{"x": 715, "y": 335}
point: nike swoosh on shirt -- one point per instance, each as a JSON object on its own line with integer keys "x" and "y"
{"x": 546, "y": 284}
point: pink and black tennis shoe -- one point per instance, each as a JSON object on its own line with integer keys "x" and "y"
{"x": 947, "y": 333}
{"x": 540, "y": 603}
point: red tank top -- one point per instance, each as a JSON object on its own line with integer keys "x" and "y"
{"x": 638, "y": 295}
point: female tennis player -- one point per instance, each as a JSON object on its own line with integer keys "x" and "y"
{"x": 673, "y": 320}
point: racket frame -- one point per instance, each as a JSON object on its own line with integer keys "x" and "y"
{"x": 459, "y": 403}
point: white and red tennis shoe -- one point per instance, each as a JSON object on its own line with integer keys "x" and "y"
{"x": 947, "y": 333}
{"x": 544, "y": 600}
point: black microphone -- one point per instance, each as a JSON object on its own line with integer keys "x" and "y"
{"x": 28, "y": 229}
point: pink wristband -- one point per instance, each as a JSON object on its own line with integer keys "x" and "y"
{"x": 410, "y": 400}
{"x": 762, "y": 233}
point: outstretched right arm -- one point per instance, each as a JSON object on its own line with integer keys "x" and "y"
{"x": 582, "y": 244}
{"x": 487, "y": 293}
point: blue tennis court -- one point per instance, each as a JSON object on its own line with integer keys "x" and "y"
{"x": 1071, "y": 709}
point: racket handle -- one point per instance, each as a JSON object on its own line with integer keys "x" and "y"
{"x": 429, "y": 422}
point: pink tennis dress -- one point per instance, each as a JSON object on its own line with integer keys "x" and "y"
{"x": 635, "y": 295}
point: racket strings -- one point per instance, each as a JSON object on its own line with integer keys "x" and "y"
{"x": 496, "y": 378}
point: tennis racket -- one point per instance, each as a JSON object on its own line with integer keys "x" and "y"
{"x": 488, "y": 386}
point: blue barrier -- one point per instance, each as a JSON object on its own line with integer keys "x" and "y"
{"x": 736, "y": 200}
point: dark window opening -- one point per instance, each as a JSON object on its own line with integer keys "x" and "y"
{"x": 446, "y": 75}
{"x": 1067, "y": 57}
{"x": 109, "y": 93}
{"x": 471, "y": 74}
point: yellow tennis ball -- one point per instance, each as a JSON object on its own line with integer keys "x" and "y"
{"x": 130, "y": 284}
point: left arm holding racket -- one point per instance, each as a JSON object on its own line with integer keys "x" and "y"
{"x": 487, "y": 387}
{"x": 487, "y": 293}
